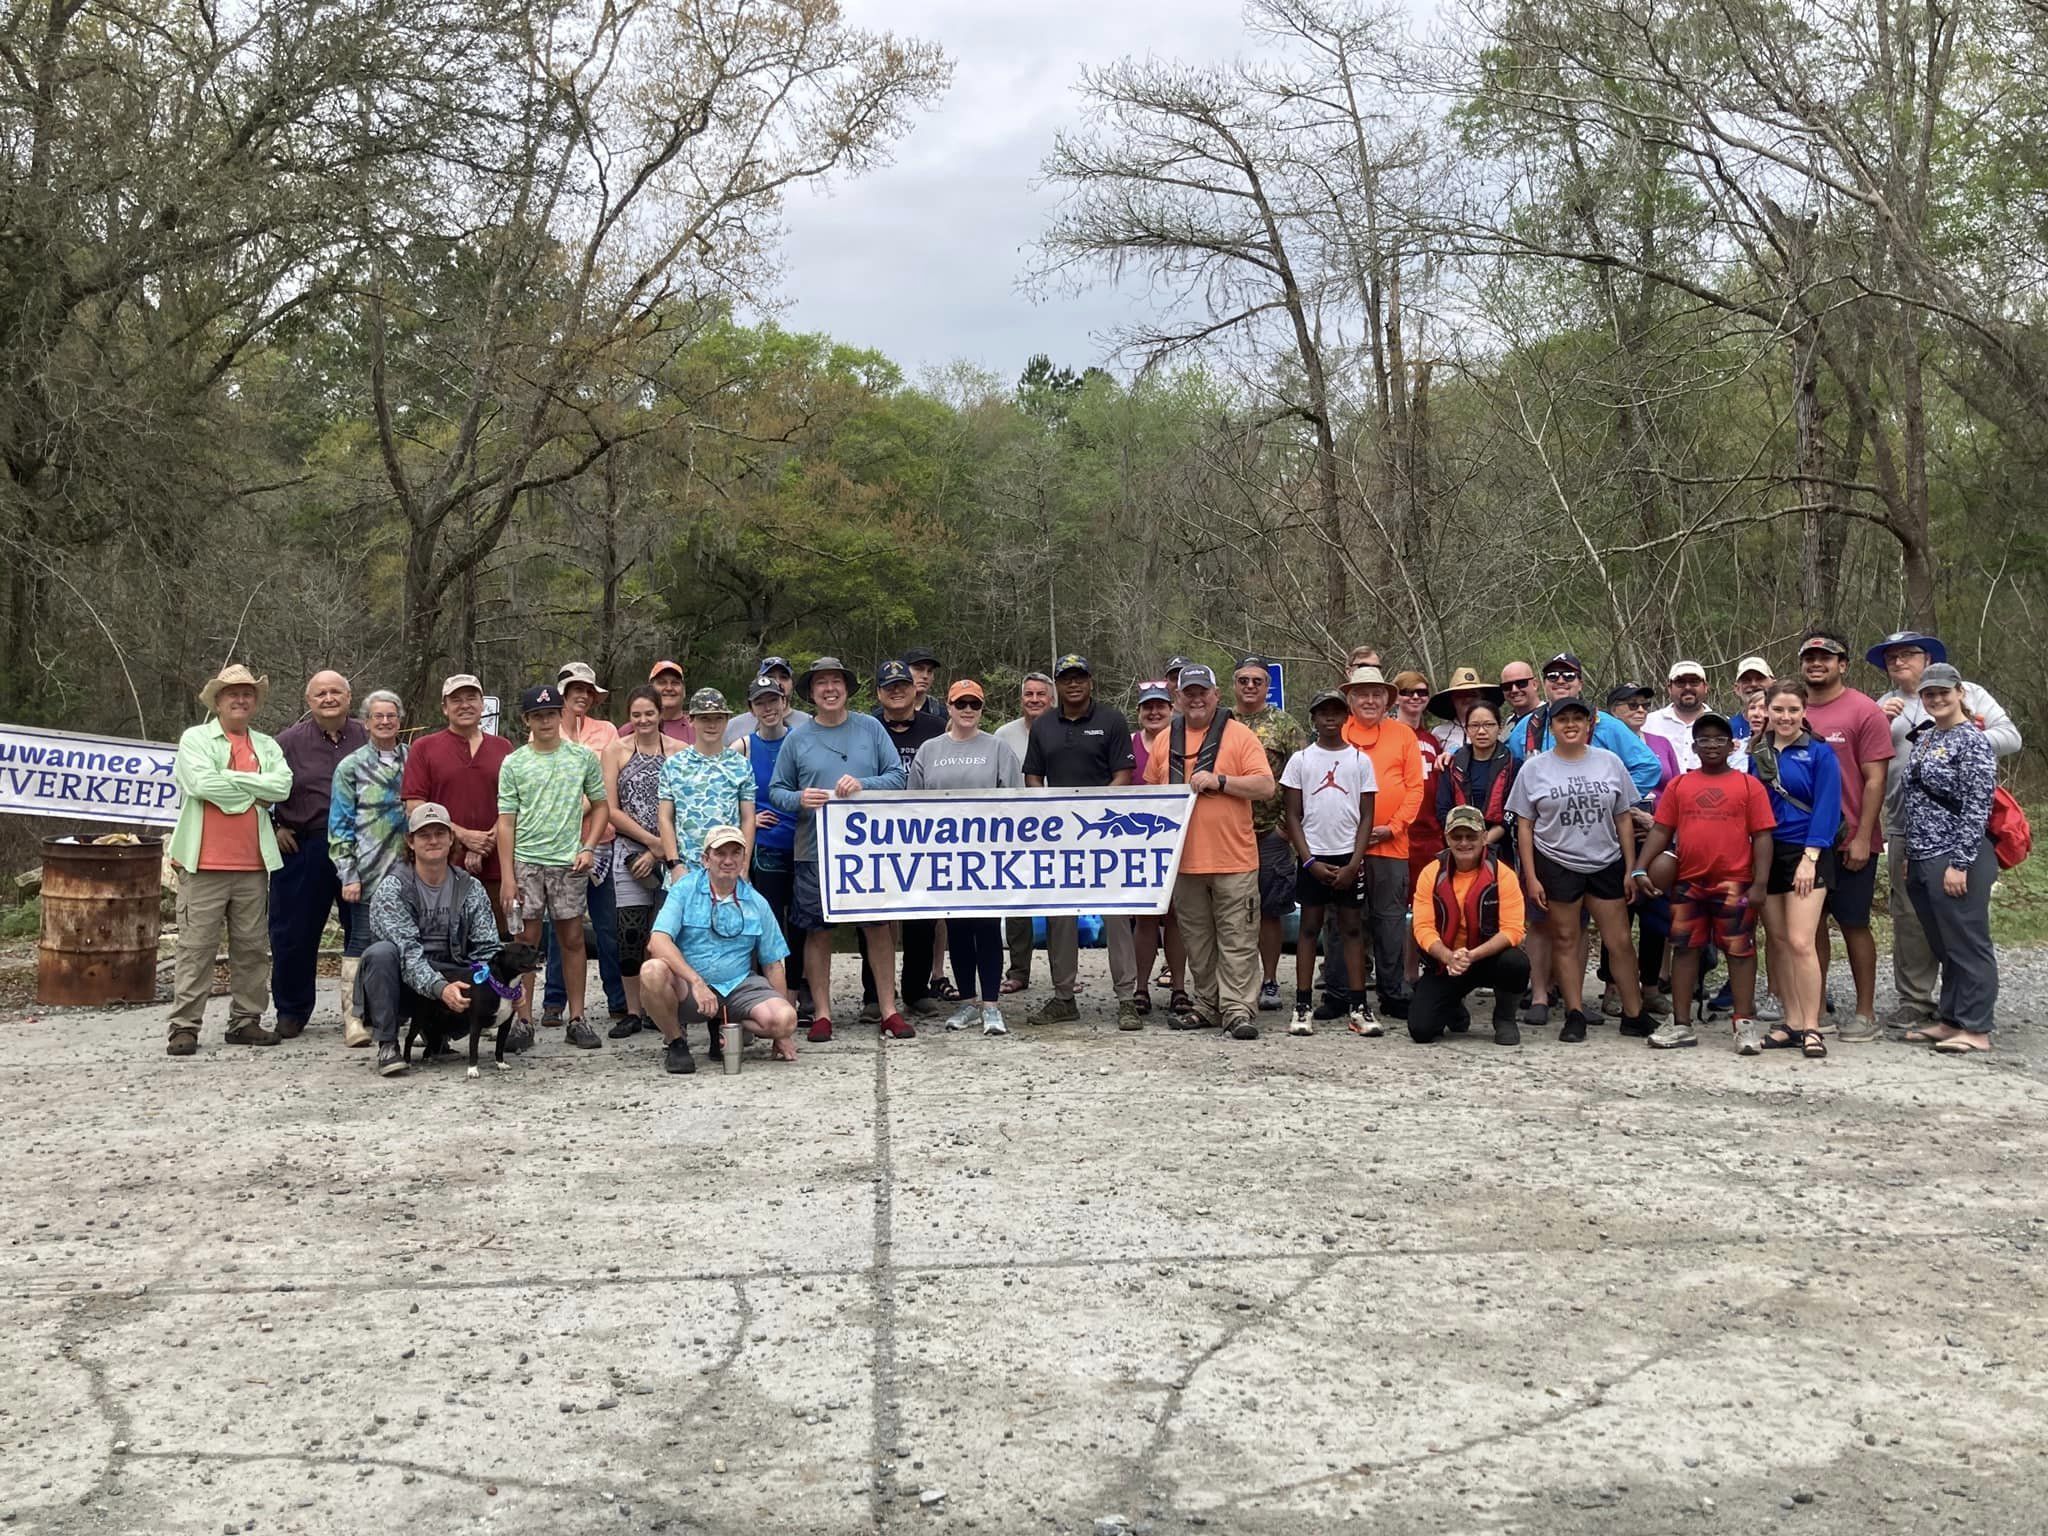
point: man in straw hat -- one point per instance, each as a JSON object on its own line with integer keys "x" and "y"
{"x": 224, "y": 850}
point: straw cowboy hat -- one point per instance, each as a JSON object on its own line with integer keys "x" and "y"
{"x": 1463, "y": 680}
{"x": 230, "y": 675}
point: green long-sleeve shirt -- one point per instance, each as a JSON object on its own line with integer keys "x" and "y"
{"x": 202, "y": 775}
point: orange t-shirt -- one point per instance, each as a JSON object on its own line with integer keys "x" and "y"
{"x": 232, "y": 842}
{"x": 1397, "y": 764}
{"x": 1220, "y": 838}
{"x": 1513, "y": 914}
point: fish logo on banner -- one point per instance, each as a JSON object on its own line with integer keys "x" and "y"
{"x": 1130, "y": 824}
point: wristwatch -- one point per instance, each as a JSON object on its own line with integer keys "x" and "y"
{"x": 1222, "y": 782}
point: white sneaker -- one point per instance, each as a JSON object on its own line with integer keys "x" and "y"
{"x": 964, "y": 1015}
{"x": 1363, "y": 1022}
{"x": 992, "y": 1020}
{"x": 1302, "y": 1024}
{"x": 1672, "y": 1034}
{"x": 1769, "y": 1010}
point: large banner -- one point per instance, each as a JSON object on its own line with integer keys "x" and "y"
{"x": 87, "y": 778}
{"x": 970, "y": 853}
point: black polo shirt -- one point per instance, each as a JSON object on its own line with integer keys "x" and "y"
{"x": 909, "y": 735}
{"x": 1079, "y": 754}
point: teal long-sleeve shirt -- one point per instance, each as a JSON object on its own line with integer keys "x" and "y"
{"x": 1644, "y": 771}
{"x": 819, "y": 755}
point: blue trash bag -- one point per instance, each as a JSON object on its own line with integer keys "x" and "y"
{"x": 1089, "y": 928}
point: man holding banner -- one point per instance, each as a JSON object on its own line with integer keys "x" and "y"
{"x": 1216, "y": 898}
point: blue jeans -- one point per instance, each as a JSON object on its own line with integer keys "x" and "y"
{"x": 604, "y": 927}
{"x": 303, "y": 890}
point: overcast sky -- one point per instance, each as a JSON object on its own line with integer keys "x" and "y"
{"x": 922, "y": 259}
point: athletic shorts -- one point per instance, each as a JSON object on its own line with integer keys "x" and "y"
{"x": 1716, "y": 914}
{"x": 1308, "y": 891}
{"x": 551, "y": 891}
{"x": 1785, "y": 859}
{"x": 635, "y": 924}
{"x": 1563, "y": 884}
{"x": 1850, "y": 891}
{"x": 1277, "y": 870}
{"x": 807, "y": 899}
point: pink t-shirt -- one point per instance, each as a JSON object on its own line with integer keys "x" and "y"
{"x": 1859, "y": 732}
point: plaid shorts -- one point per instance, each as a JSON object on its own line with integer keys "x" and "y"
{"x": 1715, "y": 912}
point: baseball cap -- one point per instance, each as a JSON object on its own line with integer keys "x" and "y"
{"x": 965, "y": 688}
{"x": 1175, "y": 664}
{"x": 1571, "y": 706}
{"x": 1685, "y": 669}
{"x": 1072, "y": 663}
{"x": 1621, "y": 691}
{"x": 761, "y": 687}
{"x": 1155, "y": 690}
{"x": 1197, "y": 677}
{"x": 1328, "y": 696}
{"x": 664, "y": 666}
{"x": 460, "y": 680}
{"x": 1940, "y": 675}
{"x": 892, "y": 671}
{"x": 707, "y": 701}
{"x": 775, "y": 664}
{"x": 1822, "y": 643}
{"x": 1565, "y": 661}
{"x": 1755, "y": 664}
{"x": 720, "y": 837}
{"x": 1258, "y": 663}
{"x": 428, "y": 815}
{"x": 921, "y": 655}
{"x": 539, "y": 697}
{"x": 1466, "y": 818}
{"x": 1712, "y": 719}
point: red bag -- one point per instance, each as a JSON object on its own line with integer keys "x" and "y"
{"x": 2012, "y": 839}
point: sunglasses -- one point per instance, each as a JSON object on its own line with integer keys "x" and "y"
{"x": 968, "y": 704}
{"x": 1518, "y": 682}
{"x": 1414, "y": 693}
{"x": 1560, "y": 677}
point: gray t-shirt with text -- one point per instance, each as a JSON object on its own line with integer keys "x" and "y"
{"x": 979, "y": 763}
{"x": 1571, "y": 806}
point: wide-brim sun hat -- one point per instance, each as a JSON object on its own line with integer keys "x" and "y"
{"x": 1936, "y": 651}
{"x": 234, "y": 675}
{"x": 826, "y": 664}
{"x": 1444, "y": 704}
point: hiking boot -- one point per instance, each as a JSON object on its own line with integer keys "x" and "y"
{"x": 1749, "y": 1037}
{"x": 1672, "y": 1034}
{"x": 1574, "y": 1031}
{"x": 1635, "y": 1026}
{"x": 390, "y": 1060}
{"x": 820, "y": 1030}
{"x": 1127, "y": 1017}
{"x": 1331, "y": 1007}
{"x": 290, "y": 1029}
{"x": 897, "y": 1027}
{"x": 1243, "y": 1029}
{"x": 1506, "y": 1033}
{"x": 1860, "y": 1029}
{"x": 1054, "y": 1010}
{"x": 183, "y": 1042}
{"x": 1302, "y": 1024}
{"x": 676, "y": 1057}
{"x": 249, "y": 1032}
{"x": 551, "y": 1018}
{"x": 626, "y": 1028}
{"x": 1906, "y": 1016}
{"x": 1269, "y": 997}
{"x": 992, "y": 1020}
{"x": 581, "y": 1035}
{"x": 963, "y": 1016}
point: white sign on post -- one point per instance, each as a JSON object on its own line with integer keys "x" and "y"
{"x": 889, "y": 854}
{"x": 86, "y": 778}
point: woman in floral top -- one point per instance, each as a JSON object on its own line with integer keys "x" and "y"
{"x": 366, "y": 835}
{"x": 1949, "y": 863}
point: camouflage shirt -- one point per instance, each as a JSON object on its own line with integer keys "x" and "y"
{"x": 1282, "y": 736}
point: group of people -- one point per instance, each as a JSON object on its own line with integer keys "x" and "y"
{"x": 1433, "y": 842}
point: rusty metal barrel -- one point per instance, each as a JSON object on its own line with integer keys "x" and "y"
{"x": 102, "y": 912}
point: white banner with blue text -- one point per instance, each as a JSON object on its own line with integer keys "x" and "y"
{"x": 86, "y": 778}
{"x": 971, "y": 853}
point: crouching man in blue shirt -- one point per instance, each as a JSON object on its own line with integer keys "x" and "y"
{"x": 712, "y": 931}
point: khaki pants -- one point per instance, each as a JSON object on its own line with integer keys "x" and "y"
{"x": 209, "y": 899}
{"x": 1219, "y": 927}
{"x": 1017, "y": 934}
{"x": 1915, "y": 971}
{"x": 1063, "y": 954}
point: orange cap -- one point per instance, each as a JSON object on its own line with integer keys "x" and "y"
{"x": 663, "y": 666}
{"x": 964, "y": 688}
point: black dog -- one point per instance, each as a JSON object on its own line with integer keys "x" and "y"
{"x": 432, "y": 1023}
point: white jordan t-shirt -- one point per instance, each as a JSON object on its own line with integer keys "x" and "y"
{"x": 1330, "y": 784}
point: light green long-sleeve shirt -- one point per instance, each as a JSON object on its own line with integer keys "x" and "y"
{"x": 202, "y": 775}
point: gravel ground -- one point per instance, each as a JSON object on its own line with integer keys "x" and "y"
{"x": 1069, "y": 1281}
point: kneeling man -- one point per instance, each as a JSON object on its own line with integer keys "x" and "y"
{"x": 431, "y": 925}
{"x": 712, "y": 931}
{"x": 1469, "y": 924}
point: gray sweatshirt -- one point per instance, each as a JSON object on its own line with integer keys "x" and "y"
{"x": 979, "y": 763}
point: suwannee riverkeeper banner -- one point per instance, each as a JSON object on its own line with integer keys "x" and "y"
{"x": 89, "y": 778}
{"x": 972, "y": 853}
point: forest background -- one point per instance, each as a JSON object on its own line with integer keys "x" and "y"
{"x": 428, "y": 336}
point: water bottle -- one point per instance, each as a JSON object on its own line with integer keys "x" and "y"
{"x": 732, "y": 1040}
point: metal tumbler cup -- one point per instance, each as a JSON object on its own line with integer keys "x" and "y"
{"x": 732, "y": 1039}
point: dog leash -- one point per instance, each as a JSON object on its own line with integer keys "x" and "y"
{"x": 480, "y": 973}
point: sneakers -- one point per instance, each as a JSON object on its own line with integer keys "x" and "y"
{"x": 1331, "y": 1007}
{"x": 1574, "y": 1031}
{"x": 870, "y": 1012}
{"x": 1769, "y": 1010}
{"x": 628, "y": 1026}
{"x": 676, "y": 1057}
{"x": 1054, "y": 1010}
{"x": 992, "y": 1020}
{"x": 931, "y": 1005}
{"x": 1749, "y": 1037}
{"x": 1360, "y": 1021}
{"x": 1301, "y": 1024}
{"x": 1243, "y": 1029}
{"x": 963, "y": 1016}
{"x": 1672, "y": 1034}
{"x": 820, "y": 1030}
{"x": 390, "y": 1062}
{"x": 1536, "y": 1015}
{"x": 1860, "y": 1029}
{"x": 897, "y": 1027}
{"x": 1269, "y": 997}
{"x": 581, "y": 1035}
{"x": 249, "y": 1032}
{"x": 290, "y": 1029}
{"x": 1657, "y": 1002}
{"x": 1723, "y": 1001}
{"x": 551, "y": 1017}
{"x": 520, "y": 1038}
{"x": 1610, "y": 1003}
{"x": 1634, "y": 1026}
{"x": 1505, "y": 1032}
{"x": 1127, "y": 1015}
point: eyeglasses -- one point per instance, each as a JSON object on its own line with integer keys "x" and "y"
{"x": 1414, "y": 693}
{"x": 1560, "y": 677}
{"x": 967, "y": 704}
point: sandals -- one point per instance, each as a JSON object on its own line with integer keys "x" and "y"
{"x": 1927, "y": 1034}
{"x": 1142, "y": 1000}
{"x": 1012, "y": 984}
{"x": 1812, "y": 1045}
{"x": 942, "y": 987}
{"x": 1781, "y": 1038}
{"x": 1181, "y": 1003}
{"x": 1956, "y": 1045}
